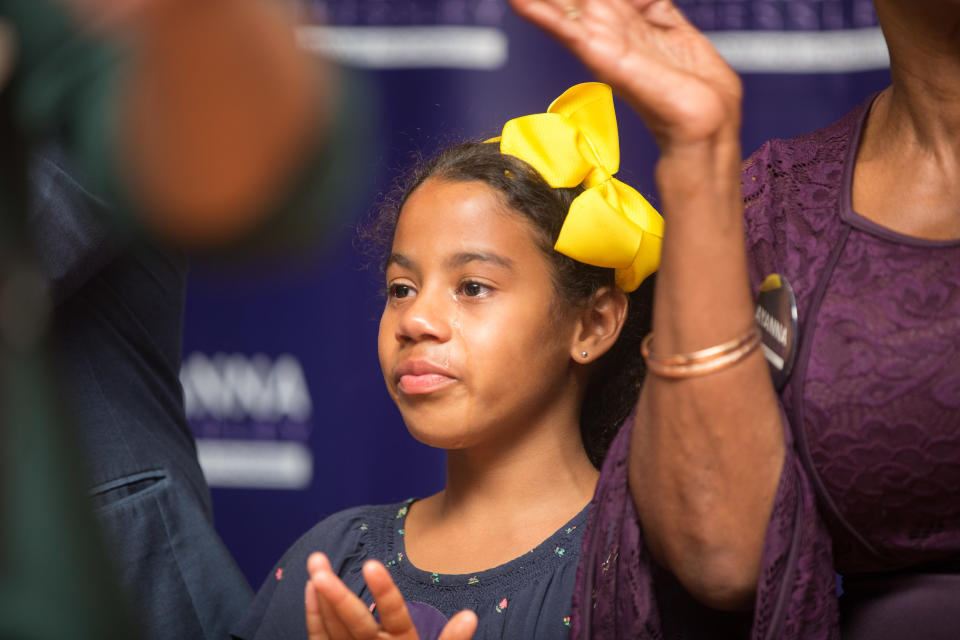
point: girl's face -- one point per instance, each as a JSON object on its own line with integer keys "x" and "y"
{"x": 471, "y": 344}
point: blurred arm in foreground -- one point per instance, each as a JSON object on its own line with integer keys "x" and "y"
{"x": 194, "y": 120}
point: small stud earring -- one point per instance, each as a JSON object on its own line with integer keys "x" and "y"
{"x": 584, "y": 354}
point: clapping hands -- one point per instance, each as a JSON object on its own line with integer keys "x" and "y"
{"x": 335, "y": 613}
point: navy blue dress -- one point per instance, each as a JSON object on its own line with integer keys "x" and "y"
{"x": 528, "y": 597}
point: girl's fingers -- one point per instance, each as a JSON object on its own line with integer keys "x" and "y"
{"x": 331, "y": 621}
{"x": 390, "y": 604}
{"x": 462, "y": 626}
{"x": 315, "y": 627}
{"x": 317, "y": 562}
{"x": 318, "y": 611}
{"x": 334, "y": 613}
{"x": 345, "y": 615}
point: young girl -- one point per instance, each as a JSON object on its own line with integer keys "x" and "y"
{"x": 518, "y": 358}
{"x": 750, "y": 499}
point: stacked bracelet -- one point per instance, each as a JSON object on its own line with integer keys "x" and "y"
{"x": 702, "y": 362}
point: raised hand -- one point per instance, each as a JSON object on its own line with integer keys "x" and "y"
{"x": 703, "y": 517}
{"x": 335, "y": 613}
{"x": 652, "y": 57}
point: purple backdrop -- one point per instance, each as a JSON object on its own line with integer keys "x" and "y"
{"x": 280, "y": 374}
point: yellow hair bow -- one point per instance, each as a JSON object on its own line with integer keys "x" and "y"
{"x": 575, "y": 142}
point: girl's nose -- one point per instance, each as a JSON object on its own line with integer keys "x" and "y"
{"x": 426, "y": 317}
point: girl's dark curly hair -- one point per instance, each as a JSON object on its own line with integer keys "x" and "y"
{"x": 614, "y": 386}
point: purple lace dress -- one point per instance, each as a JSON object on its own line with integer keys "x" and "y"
{"x": 871, "y": 484}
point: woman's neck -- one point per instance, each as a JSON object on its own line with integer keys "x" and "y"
{"x": 907, "y": 175}
{"x": 923, "y": 105}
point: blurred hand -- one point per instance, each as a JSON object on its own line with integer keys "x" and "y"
{"x": 220, "y": 113}
{"x": 653, "y": 58}
{"x": 335, "y": 613}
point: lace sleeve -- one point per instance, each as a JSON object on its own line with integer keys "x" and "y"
{"x": 613, "y": 596}
{"x": 796, "y": 589}
{"x": 622, "y": 593}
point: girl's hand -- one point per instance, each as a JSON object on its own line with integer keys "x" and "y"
{"x": 653, "y": 58}
{"x": 334, "y": 613}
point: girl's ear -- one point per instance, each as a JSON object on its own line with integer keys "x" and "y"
{"x": 599, "y": 324}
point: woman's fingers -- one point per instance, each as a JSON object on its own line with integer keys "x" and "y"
{"x": 315, "y": 627}
{"x": 611, "y": 37}
{"x": 661, "y": 13}
{"x": 653, "y": 57}
{"x": 557, "y": 20}
{"x": 462, "y": 626}
{"x": 390, "y": 604}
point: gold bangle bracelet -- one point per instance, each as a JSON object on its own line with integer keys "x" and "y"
{"x": 703, "y": 361}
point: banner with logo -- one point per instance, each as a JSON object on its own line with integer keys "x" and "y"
{"x": 280, "y": 372}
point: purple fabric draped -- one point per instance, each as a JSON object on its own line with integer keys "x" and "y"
{"x": 871, "y": 415}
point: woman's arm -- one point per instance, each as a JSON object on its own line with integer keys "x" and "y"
{"x": 707, "y": 451}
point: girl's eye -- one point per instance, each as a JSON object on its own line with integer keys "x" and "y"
{"x": 399, "y": 290}
{"x": 474, "y": 289}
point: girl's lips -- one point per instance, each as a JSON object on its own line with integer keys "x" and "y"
{"x": 421, "y": 376}
{"x": 413, "y": 384}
